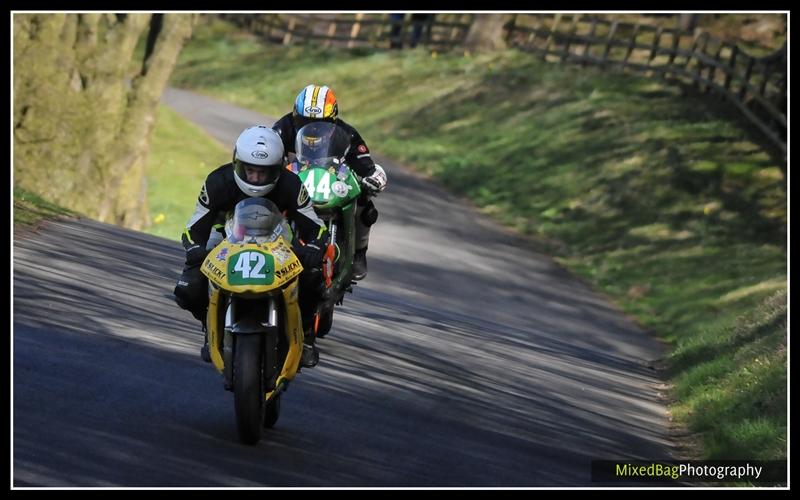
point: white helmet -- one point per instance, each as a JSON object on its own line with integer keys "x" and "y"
{"x": 258, "y": 152}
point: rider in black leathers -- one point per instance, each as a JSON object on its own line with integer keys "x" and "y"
{"x": 257, "y": 170}
{"x": 317, "y": 103}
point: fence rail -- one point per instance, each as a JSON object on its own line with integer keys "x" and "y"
{"x": 756, "y": 86}
{"x": 443, "y": 31}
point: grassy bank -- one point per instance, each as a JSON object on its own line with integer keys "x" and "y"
{"x": 662, "y": 199}
{"x": 30, "y": 210}
{"x": 181, "y": 156}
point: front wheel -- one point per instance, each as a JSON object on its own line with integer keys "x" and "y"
{"x": 248, "y": 393}
{"x": 272, "y": 412}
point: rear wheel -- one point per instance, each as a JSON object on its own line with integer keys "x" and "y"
{"x": 248, "y": 393}
{"x": 325, "y": 321}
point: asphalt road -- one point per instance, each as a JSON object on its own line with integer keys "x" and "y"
{"x": 465, "y": 359}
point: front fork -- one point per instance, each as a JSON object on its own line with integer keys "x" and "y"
{"x": 330, "y": 256}
{"x": 244, "y": 326}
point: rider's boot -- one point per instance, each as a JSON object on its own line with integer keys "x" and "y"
{"x": 310, "y": 356}
{"x": 204, "y": 352}
{"x": 360, "y": 264}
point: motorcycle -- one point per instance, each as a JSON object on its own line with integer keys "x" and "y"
{"x": 334, "y": 190}
{"x": 255, "y": 336}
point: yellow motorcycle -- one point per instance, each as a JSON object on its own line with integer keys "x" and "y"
{"x": 255, "y": 336}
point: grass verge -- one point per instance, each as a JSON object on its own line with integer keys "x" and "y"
{"x": 181, "y": 156}
{"x": 30, "y": 210}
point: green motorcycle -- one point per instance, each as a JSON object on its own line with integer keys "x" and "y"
{"x": 320, "y": 148}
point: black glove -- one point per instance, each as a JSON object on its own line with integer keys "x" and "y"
{"x": 311, "y": 254}
{"x": 195, "y": 255}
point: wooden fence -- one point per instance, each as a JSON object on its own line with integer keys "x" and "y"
{"x": 755, "y": 85}
{"x": 439, "y": 32}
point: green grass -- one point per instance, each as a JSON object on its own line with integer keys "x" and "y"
{"x": 663, "y": 199}
{"x": 30, "y": 209}
{"x": 181, "y": 156}
{"x": 732, "y": 383}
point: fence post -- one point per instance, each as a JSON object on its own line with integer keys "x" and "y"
{"x": 330, "y": 33}
{"x": 573, "y": 28}
{"x": 530, "y": 41}
{"x": 655, "y": 46}
{"x": 609, "y": 38}
{"x": 510, "y": 27}
{"x": 746, "y": 79}
{"x": 459, "y": 33}
{"x": 781, "y": 103}
{"x": 691, "y": 51}
{"x": 454, "y": 33}
{"x": 631, "y": 44}
{"x": 712, "y": 72}
{"x": 551, "y": 35}
{"x": 676, "y": 41}
{"x": 587, "y": 53}
{"x": 354, "y": 30}
{"x": 287, "y": 38}
{"x": 731, "y": 67}
{"x": 701, "y": 65}
{"x": 763, "y": 87}
{"x": 695, "y": 45}
{"x": 691, "y": 54}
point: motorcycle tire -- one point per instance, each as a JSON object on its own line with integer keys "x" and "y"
{"x": 248, "y": 394}
{"x": 325, "y": 321}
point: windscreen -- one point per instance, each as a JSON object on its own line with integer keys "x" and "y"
{"x": 257, "y": 220}
{"x": 321, "y": 144}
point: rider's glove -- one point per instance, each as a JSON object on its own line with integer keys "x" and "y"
{"x": 312, "y": 255}
{"x": 195, "y": 255}
{"x": 312, "y": 252}
{"x": 376, "y": 182}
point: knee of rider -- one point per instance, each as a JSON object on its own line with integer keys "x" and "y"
{"x": 368, "y": 215}
{"x": 191, "y": 293}
{"x": 181, "y": 298}
{"x": 188, "y": 298}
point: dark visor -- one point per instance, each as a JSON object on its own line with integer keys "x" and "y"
{"x": 268, "y": 173}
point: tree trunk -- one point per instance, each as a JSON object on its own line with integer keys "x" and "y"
{"x": 129, "y": 187}
{"x": 84, "y": 112}
{"x": 486, "y": 32}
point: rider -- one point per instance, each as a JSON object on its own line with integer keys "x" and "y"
{"x": 317, "y": 103}
{"x": 257, "y": 170}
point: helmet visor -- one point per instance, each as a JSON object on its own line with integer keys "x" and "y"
{"x": 256, "y": 175}
{"x": 321, "y": 144}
